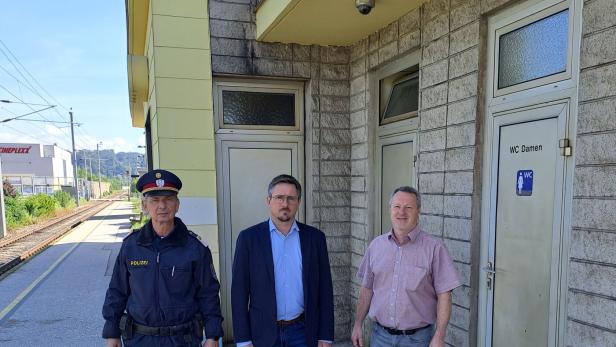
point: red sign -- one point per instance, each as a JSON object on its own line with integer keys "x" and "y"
{"x": 15, "y": 150}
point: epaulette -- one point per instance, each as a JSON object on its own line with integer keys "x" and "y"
{"x": 131, "y": 233}
{"x": 198, "y": 238}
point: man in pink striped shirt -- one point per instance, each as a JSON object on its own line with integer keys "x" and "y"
{"x": 406, "y": 281}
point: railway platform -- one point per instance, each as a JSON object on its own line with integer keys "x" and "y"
{"x": 55, "y": 298}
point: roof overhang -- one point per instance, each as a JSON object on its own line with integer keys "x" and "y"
{"x": 325, "y": 22}
{"x": 137, "y": 63}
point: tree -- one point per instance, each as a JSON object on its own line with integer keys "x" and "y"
{"x": 8, "y": 189}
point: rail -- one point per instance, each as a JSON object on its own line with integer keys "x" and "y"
{"x": 16, "y": 248}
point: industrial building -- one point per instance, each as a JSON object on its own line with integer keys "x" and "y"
{"x": 34, "y": 168}
{"x": 501, "y": 112}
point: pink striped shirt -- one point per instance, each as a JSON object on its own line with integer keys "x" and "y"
{"x": 405, "y": 279}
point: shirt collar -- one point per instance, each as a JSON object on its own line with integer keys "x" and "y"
{"x": 272, "y": 227}
{"x": 411, "y": 235}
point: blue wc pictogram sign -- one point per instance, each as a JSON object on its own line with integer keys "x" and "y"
{"x": 524, "y": 183}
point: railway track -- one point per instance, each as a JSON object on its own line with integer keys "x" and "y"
{"x": 22, "y": 245}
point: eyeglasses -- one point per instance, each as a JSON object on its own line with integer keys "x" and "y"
{"x": 288, "y": 198}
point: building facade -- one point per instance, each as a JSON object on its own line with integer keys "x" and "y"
{"x": 34, "y": 168}
{"x": 501, "y": 112}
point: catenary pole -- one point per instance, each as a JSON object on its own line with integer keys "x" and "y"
{"x": 74, "y": 157}
{"x": 100, "y": 190}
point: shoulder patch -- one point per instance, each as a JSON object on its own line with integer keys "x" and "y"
{"x": 198, "y": 238}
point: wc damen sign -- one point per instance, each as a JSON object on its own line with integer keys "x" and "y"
{"x": 524, "y": 183}
{"x": 525, "y": 149}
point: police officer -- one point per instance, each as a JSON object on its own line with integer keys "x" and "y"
{"x": 163, "y": 291}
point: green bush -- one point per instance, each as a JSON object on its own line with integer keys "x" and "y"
{"x": 40, "y": 205}
{"x": 16, "y": 212}
{"x": 64, "y": 199}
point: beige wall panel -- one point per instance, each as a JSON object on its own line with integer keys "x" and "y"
{"x": 155, "y": 156}
{"x": 197, "y": 183}
{"x": 154, "y": 124}
{"x": 181, "y": 32}
{"x": 149, "y": 41}
{"x": 152, "y": 98}
{"x": 183, "y": 63}
{"x": 184, "y": 93}
{"x": 189, "y": 8}
{"x": 193, "y": 154}
{"x": 185, "y": 123}
{"x": 151, "y": 79}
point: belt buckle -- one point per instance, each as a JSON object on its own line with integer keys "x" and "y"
{"x": 164, "y": 331}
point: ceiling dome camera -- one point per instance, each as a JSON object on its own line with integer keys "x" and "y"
{"x": 364, "y": 6}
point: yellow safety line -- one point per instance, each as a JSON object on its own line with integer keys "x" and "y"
{"x": 33, "y": 285}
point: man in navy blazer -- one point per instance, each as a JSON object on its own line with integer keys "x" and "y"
{"x": 281, "y": 292}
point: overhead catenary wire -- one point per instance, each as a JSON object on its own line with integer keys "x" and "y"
{"x": 83, "y": 139}
{"x": 35, "y": 81}
{"x": 40, "y": 115}
{"x": 38, "y": 126}
{"x": 16, "y": 79}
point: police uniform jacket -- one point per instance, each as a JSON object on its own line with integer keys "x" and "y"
{"x": 162, "y": 286}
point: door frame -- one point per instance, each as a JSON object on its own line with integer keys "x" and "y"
{"x": 223, "y": 143}
{"x": 558, "y": 287}
{"x": 388, "y": 133}
{"x": 251, "y": 134}
{"x": 382, "y": 141}
{"x": 549, "y": 93}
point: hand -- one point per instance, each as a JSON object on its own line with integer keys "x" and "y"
{"x": 324, "y": 344}
{"x": 211, "y": 343}
{"x": 357, "y": 335}
{"x": 114, "y": 343}
{"x": 437, "y": 341}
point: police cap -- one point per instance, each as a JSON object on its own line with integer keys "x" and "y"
{"x": 159, "y": 182}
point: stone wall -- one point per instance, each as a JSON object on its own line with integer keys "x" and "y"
{"x": 340, "y": 135}
{"x": 447, "y": 34}
{"x": 328, "y": 137}
{"x": 592, "y": 266}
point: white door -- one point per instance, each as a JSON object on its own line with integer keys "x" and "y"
{"x": 526, "y": 229}
{"x": 396, "y": 169}
{"x": 247, "y": 168}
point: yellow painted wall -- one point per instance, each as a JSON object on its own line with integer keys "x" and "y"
{"x": 180, "y": 102}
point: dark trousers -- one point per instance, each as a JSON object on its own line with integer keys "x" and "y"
{"x": 293, "y": 335}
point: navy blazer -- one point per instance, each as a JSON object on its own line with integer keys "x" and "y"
{"x": 253, "y": 292}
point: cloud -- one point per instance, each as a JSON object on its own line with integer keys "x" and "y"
{"x": 16, "y": 138}
{"x": 122, "y": 145}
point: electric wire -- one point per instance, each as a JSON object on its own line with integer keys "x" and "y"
{"x": 35, "y": 81}
{"x": 32, "y": 108}
{"x": 42, "y": 129}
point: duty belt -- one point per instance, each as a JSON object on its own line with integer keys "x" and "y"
{"x": 129, "y": 327}
{"x": 180, "y": 329}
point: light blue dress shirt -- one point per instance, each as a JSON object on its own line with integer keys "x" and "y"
{"x": 287, "y": 255}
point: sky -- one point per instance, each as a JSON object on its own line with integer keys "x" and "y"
{"x": 71, "y": 54}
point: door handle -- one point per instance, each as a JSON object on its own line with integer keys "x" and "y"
{"x": 491, "y": 271}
